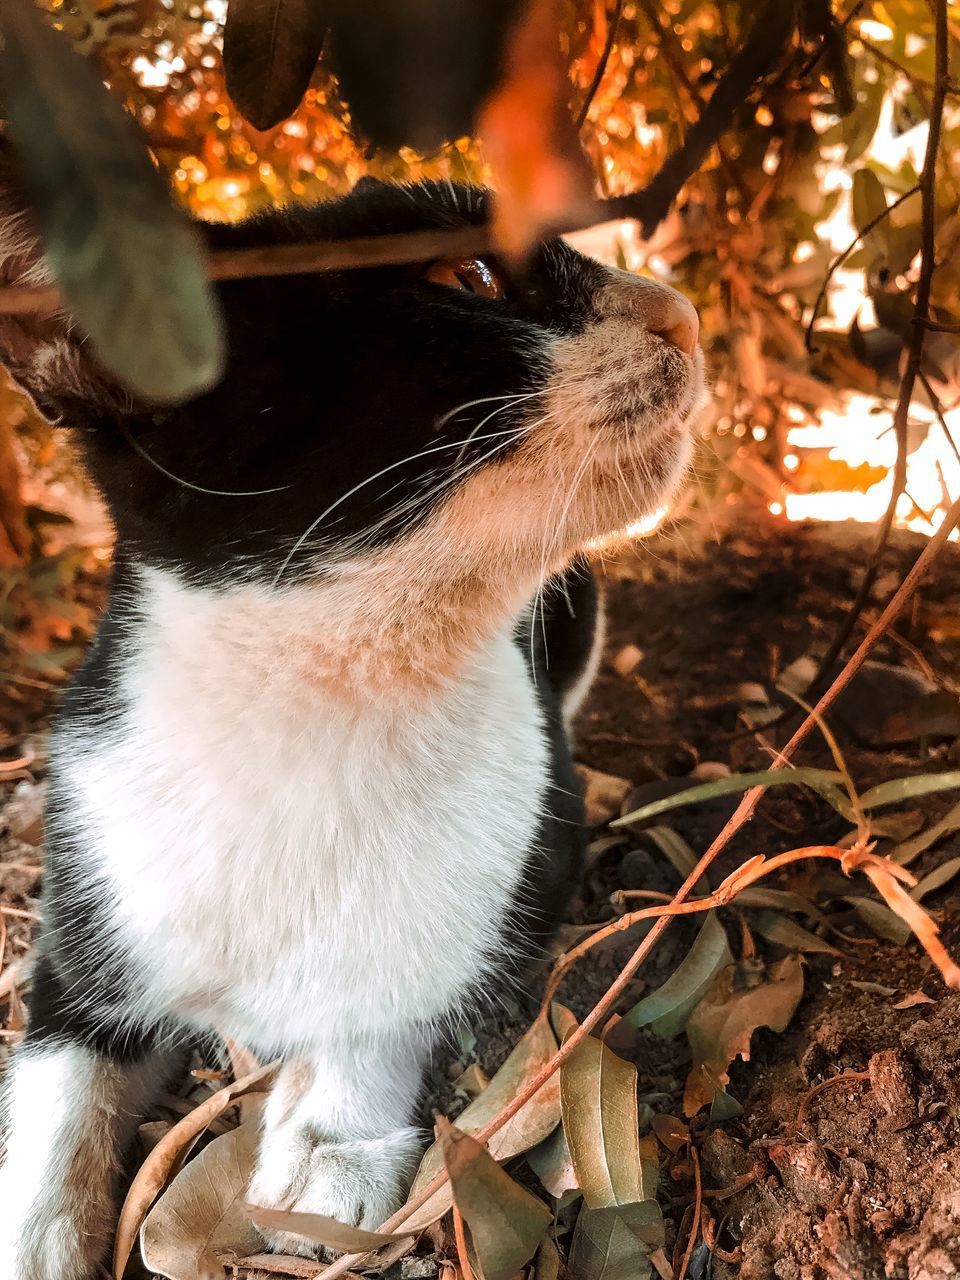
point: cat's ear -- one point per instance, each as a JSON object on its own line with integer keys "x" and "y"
{"x": 42, "y": 349}
{"x": 366, "y": 183}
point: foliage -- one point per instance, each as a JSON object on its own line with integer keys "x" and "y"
{"x": 750, "y": 239}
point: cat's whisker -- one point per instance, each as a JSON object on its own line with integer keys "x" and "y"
{"x": 439, "y": 448}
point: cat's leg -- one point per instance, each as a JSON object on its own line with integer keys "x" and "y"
{"x": 72, "y": 1100}
{"x": 337, "y": 1134}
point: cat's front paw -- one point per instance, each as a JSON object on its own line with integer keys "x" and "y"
{"x": 360, "y": 1182}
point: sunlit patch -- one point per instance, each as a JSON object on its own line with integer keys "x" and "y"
{"x": 855, "y": 442}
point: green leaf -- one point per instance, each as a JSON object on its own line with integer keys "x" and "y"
{"x": 616, "y": 1243}
{"x": 270, "y": 51}
{"x": 666, "y": 1010}
{"x": 128, "y": 264}
{"x": 598, "y": 1093}
{"x": 506, "y": 1222}
{"x": 869, "y": 202}
{"x": 824, "y": 781}
{"x": 920, "y": 784}
{"x": 910, "y": 850}
{"x": 777, "y": 928}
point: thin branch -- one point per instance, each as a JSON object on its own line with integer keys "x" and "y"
{"x": 697, "y": 1211}
{"x": 844, "y": 254}
{"x": 768, "y": 36}
{"x": 741, "y": 816}
{"x": 613, "y": 26}
{"x": 926, "y": 323}
{"x": 921, "y": 314}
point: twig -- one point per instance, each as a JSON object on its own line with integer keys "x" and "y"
{"x": 844, "y": 254}
{"x": 697, "y": 1209}
{"x": 765, "y": 43}
{"x": 613, "y": 26}
{"x": 843, "y": 1076}
{"x": 926, "y": 323}
{"x": 938, "y": 410}
{"x": 460, "y": 1237}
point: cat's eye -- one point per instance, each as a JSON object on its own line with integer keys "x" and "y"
{"x": 473, "y": 275}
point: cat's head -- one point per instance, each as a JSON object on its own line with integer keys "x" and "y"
{"x": 456, "y": 416}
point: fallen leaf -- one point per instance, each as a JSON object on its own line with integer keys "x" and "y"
{"x": 823, "y": 781}
{"x": 777, "y": 928}
{"x": 681, "y": 856}
{"x": 920, "y": 784}
{"x": 323, "y": 1230}
{"x": 598, "y": 1094}
{"x": 743, "y": 997}
{"x": 936, "y": 879}
{"x": 603, "y": 794}
{"x": 168, "y": 1155}
{"x": 671, "y": 1131}
{"x": 666, "y": 1010}
{"x": 880, "y": 919}
{"x": 506, "y": 1222}
{"x": 550, "y": 1161}
{"x": 547, "y": 1262}
{"x": 909, "y": 850}
{"x": 913, "y": 999}
{"x": 534, "y": 1121}
{"x": 202, "y": 1212}
{"x": 616, "y": 1243}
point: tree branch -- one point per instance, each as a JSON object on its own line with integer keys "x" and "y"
{"x": 613, "y": 27}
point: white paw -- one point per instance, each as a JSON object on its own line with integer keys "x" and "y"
{"x": 360, "y": 1182}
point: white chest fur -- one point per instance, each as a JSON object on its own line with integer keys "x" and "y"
{"x": 280, "y": 860}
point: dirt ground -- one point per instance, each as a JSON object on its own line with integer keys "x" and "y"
{"x": 859, "y": 1179}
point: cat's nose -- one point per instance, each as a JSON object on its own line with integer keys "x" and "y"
{"x": 680, "y": 326}
{"x": 660, "y": 309}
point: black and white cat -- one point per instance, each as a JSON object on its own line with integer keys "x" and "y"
{"x": 312, "y": 787}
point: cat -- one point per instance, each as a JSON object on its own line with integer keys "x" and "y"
{"x": 313, "y": 785}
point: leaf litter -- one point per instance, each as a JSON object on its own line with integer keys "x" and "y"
{"x": 598, "y": 1239}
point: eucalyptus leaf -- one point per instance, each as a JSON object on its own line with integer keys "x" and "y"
{"x": 270, "y": 50}
{"x": 506, "y": 1222}
{"x": 823, "y": 781}
{"x": 598, "y": 1093}
{"x": 615, "y": 1244}
{"x": 202, "y": 1213}
{"x": 920, "y": 784}
{"x": 869, "y": 203}
{"x": 128, "y": 264}
{"x": 780, "y": 929}
{"x": 878, "y": 917}
{"x": 666, "y": 1010}
{"x": 910, "y": 850}
{"x": 534, "y": 1122}
{"x": 936, "y": 879}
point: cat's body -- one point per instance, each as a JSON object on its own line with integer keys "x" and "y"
{"x": 313, "y": 788}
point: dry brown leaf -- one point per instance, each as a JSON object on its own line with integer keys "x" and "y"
{"x": 528, "y": 137}
{"x": 743, "y": 997}
{"x": 202, "y": 1213}
{"x": 168, "y": 1156}
{"x": 913, "y": 999}
{"x": 534, "y": 1121}
{"x": 322, "y": 1230}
